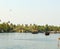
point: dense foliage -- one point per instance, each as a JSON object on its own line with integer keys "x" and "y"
{"x": 9, "y": 27}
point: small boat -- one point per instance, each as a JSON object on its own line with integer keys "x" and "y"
{"x": 34, "y": 32}
{"x": 47, "y": 33}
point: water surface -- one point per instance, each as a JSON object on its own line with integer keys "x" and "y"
{"x": 28, "y": 41}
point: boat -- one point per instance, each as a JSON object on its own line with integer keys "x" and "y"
{"x": 34, "y": 32}
{"x": 47, "y": 33}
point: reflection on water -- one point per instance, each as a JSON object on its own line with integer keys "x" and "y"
{"x": 28, "y": 41}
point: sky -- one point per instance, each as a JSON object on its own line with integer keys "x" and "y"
{"x": 39, "y": 12}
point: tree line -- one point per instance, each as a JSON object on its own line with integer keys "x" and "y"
{"x": 9, "y": 27}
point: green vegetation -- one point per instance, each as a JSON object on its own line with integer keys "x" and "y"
{"x": 9, "y": 27}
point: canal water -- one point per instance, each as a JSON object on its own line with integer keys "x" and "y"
{"x": 28, "y": 41}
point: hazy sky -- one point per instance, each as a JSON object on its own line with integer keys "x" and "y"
{"x": 30, "y": 11}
